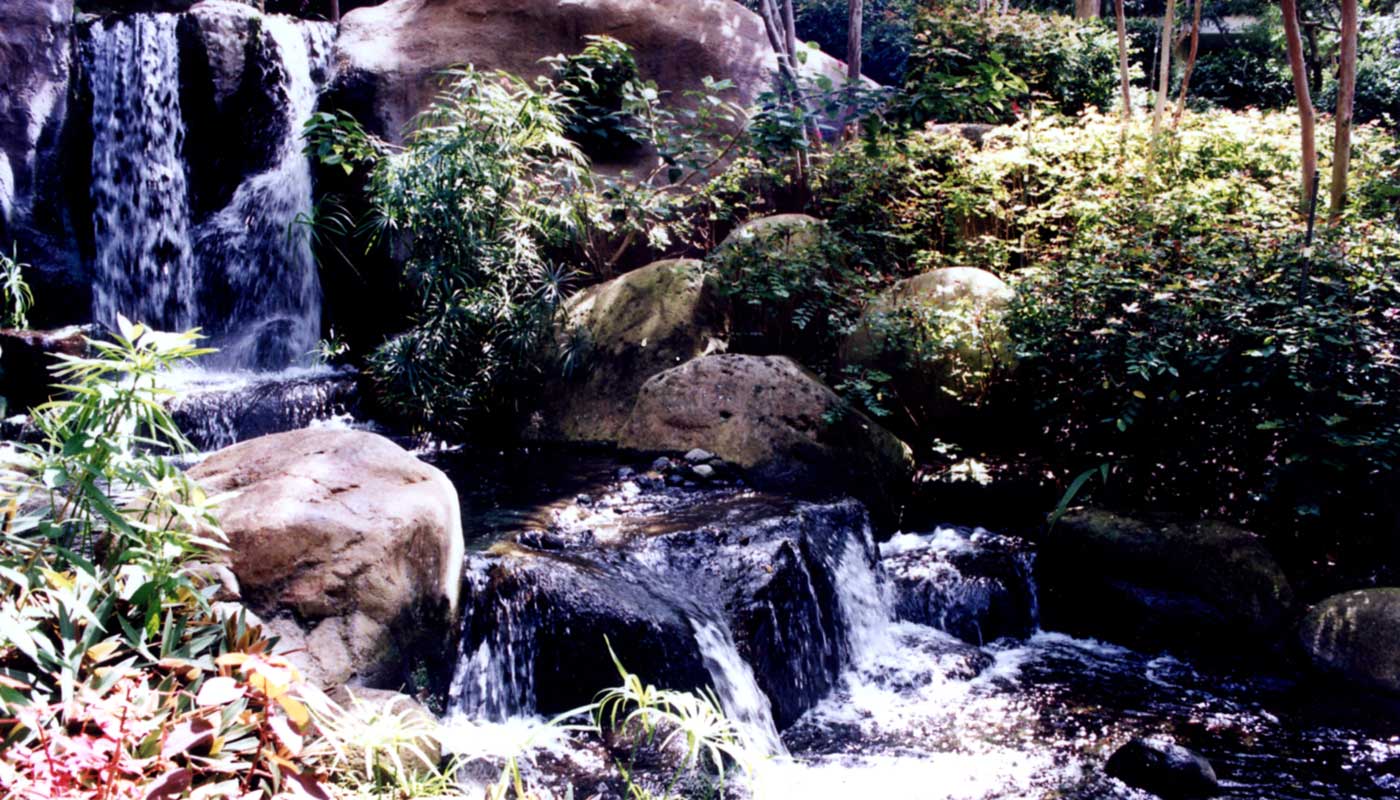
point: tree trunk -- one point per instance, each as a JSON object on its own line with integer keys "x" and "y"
{"x": 1300, "y": 87}
{"x": 854, "y": 30}
{"x": 1346, "y": 96}
{"x": 1123, "y": 60}
{"x": 335, "y": 10}
{"x": 1164, "y": 69}
{"x": 1190, "y": 62}
{"x": 1086, "y": 9}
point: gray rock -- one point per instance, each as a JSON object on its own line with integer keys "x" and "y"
{"x": 698, "y": 456}
{"x": 1356, "y": 636}
{"x": 1164, "y": 768}
{"x": 703, "y": 471}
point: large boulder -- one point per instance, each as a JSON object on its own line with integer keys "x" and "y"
{"x": 1356, "y": 635}
{"x": 1161, "y": 582}
{"x": 391, "y": 55}
{"x": 36, "y": 171}
{"x": 940, "y": 335}
{"x": 344, "y": 542}
{"x": 624, "y": 331}
{"x": 776, "y": 230}
{"x": 774, "y": 419}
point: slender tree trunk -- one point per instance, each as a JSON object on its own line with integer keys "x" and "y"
{"x": 1346, "y": 96}
{"x": 1086, "y": 9}
{"x": 1164, "y": 68}
{"x": 335, "y": 10}
{"x": 1123, "y": 60}
{"x": 1305, "y": 106}
{"x": 854, "y": 30}
{"x": 1190, "y": 62}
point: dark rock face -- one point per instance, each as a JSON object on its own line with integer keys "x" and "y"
{"x": 26, "y": 358}
{"x": 38, "y": 162}
{"x": 663, "y": 576}
{"x": 978, "y": 586}
{"x": 1164, "y": 768}
{"x": 1162, "y": 582}
{"x": 1356, "y": 636}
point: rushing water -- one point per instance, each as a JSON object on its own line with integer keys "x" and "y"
{"x": 920, "y": 713}
{"x": 246, "y": 274}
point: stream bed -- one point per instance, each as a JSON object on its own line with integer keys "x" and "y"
{"x": 910, "y": 710}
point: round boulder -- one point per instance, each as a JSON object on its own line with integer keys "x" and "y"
{"x": 1164, "y": 768}
{"x": 778, "y": 230}
{"x": 774, "y": 419}
{"x": 1356, "y": 635}
{"x": 625, "y": 331}
{"x": 342, "y": 541}
{"x": 1161, "y": 582}
{"x": 941, "y": 336}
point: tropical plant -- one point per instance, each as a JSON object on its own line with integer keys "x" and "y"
{"x": 474, "y": 197}
{"x": 15, "y": 294}
{"x": 594, "y": 85}
{"x": 118, "y": 679}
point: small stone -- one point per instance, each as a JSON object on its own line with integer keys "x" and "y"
{"x": 1164, "y": 768}
{"x": 689, "y": 485}
{"x": 703, "y": 471}
{"x": 675, "y": 480}
{"x": 584, "y": 500}
{"x": 698, "y": 456}
{"x": 661, "y": 464}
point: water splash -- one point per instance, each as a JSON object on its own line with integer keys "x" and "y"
{"x": 734, "y": 682}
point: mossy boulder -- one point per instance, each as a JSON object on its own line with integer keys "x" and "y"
{"x": 778, "y": 230}
{"x": 942, "y": 338}
{"x": 1161, "y": 582}
{"x": 1356, "y": 636}
{"x": 775, "y": 420}
{"x": 618, "y": 334}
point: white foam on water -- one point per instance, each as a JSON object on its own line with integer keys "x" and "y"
{"x": 929, "y": 776}
{"x": 734, "y": 682}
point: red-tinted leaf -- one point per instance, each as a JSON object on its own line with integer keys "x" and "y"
{"x": 170, "y": 786}
{"x": 186, "y": 736}
{"x": 303, "y": 787}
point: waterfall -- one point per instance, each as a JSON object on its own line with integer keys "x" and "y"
{"x": 246, "y": 274}
{"x": 143, "y": 264}
{"x": 736, "y": 687}
{"x": 494, "y": 679}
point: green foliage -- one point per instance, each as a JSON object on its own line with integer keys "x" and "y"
{"x": 887, "y": 33}
{"x": 982, "y": 67}
{"x": 794, "y": 289}
{"x": 1377, "y": 73}
{"x": 15, "y": 295}
{"x": 595, "y": 84}
{"x": 117, "y": 679}
{"x": 474, "y": 198}
{"x": 1251, "y": 72}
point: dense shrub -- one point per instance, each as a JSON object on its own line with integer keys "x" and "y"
{"x": 972, "y": 67}
{"x": 1251, "y": 72}
{"x": 594, "y": 84}
{"x": 474, "y": 198}
{"x": 1377, "y": 73}
{"x": 887, "y": 33}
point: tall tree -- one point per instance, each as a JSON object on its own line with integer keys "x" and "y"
{"x": 854, "y": 30}
{"x": 335, "y": 10}
{"x": 1306, "y": 115}
{"x": 1164, "y": 68}
{"x": 1086, "y": 9}
{"x": 1346, "y": 98}
{"x": 1123, "y": 59}
{"x": 1190, "y": 62}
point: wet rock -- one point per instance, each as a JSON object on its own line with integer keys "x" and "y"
{"x": 662, "y": 580}
{"x": 345, "y": 543}
{"x": 1162, "y": 582}
{"x": 221, "y": 414}
{"x": 1356, "y": 636}
{"x": 40, "y": 169}
{"x": 27, "y": 359}
{"x": 703, "y": 471}
{"x": 978, "y": 586}
{"x": 698, "y": 456}
{"x": 774, "y": 420}
{"x": 624, "y": 332}
{"x": 906, "y": 331}
{"x": 1163, "y": 768}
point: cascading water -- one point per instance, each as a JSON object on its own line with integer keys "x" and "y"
{"x": 737, "y": 688}
{"x": 246, "y": 274}
{"x": 144, "y": 265}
